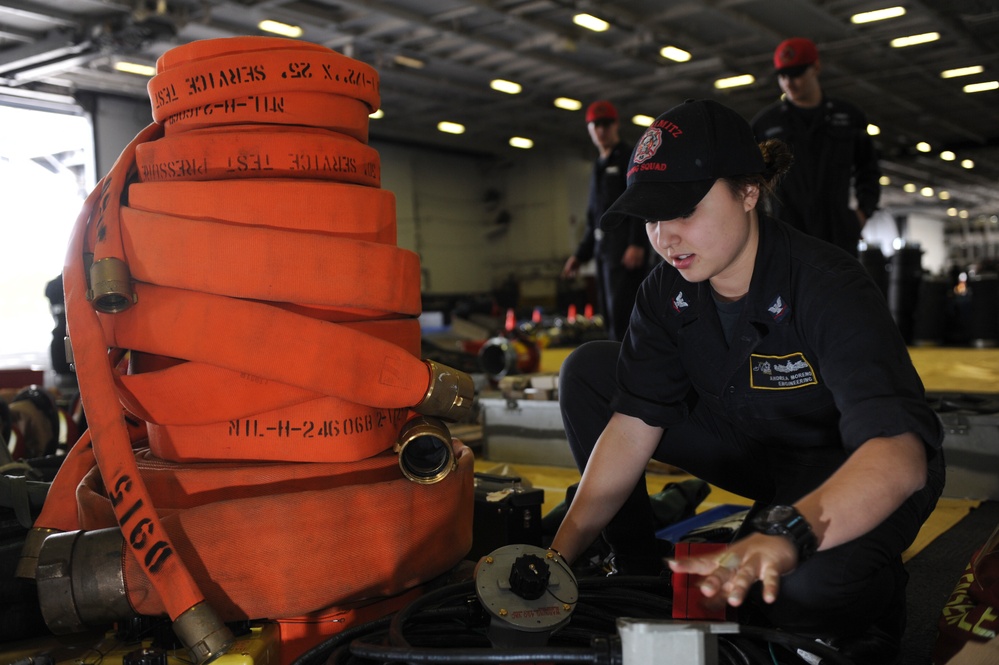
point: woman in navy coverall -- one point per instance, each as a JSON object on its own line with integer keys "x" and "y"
{"x": 767, "y": 363}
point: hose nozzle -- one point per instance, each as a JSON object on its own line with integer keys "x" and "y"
{"x": 111, "y": 286}
{"x": 426, "y": 454}
{"x": 449, "y": 394}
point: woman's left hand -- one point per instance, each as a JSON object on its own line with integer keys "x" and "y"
{"x": 728, "y": 574}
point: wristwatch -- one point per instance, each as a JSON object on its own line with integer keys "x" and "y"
{"x": 787, "y": 521}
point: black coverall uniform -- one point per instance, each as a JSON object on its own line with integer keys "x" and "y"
{"x": 832, "y": 152}
{"x": 815, "y": 368}
{"x": 617, "y": 286}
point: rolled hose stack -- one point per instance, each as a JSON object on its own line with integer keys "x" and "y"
{"x": 237, "y": 307}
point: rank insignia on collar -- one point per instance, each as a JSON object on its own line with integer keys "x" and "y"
{"x": 679, "y": 304}
{"x": 778, "y": 309}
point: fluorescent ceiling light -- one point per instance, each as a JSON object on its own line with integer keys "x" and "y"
{"x": 451, "y": 127}
{"x": 377, "y": 114}
{"x": 962, "y": 71}
{"x": 406, "y": 61}
{"x": 913, "y": 40}
{"x": 923, "y": 146}
{"x": 590, "y": 22}
{"x": 509, "y": 87}
{"x": 948, "y": 156}
{"x": 878, "y": 15}
{"x": 568, "y": 104}
{"x": 521, "y": 142}
{"x": 278, "y": 28}
{"x": 135, "y": 68}
{"x": 981, "y": 87}
{"x": 735, "y": 81}
{"x": 643, "y": 120}
{"x": 873, "y": 130}
{"x": 675, "y": 54}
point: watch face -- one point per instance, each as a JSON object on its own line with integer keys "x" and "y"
{"x": 778, "y": 514}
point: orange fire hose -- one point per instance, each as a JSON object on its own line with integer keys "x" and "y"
{"x": 246, "y": 265}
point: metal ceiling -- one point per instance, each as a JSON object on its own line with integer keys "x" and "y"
{"x": 50, "y": 49}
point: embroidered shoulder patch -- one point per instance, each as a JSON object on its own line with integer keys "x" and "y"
{"x": 780, "y": 372}
{"x": 679, "y": 304}
{"x": 778, "y": 309}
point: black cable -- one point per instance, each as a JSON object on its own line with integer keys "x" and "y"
{"x": 793, "y": 641}
{"x": 322, "y": 651}
{"x": 448, "y": 625}
{"x": 473, "y": 656}
{"x": 451, "y": 592}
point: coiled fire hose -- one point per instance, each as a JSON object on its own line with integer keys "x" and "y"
{"x": 237, "y": 307}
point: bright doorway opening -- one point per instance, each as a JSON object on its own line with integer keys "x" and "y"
{"x": 46, "y": 171}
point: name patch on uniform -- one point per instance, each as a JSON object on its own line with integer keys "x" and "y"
{"x": 780, "y": 372}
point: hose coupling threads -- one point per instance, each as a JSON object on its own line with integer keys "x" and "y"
{"x": 449, "y": 394}
{"x": 203, "y": 633}
{"x": 111, "y": 286}
{"x": 426, "y": 454}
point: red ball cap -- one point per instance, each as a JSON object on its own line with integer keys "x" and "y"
{"x": 795, "y": 52}
{"x": 600, "y": 110}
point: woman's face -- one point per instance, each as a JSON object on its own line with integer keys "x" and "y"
{"x": 715, "y": 241}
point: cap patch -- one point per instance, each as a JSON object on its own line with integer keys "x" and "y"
{"x": 649, "y": 144}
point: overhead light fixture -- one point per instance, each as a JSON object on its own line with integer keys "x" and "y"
{"x": 981, "y": 87}
{"x": 735, "y": 81}
{"x": 923, "y": 146}
{"x": 135, "y": 68}
{"x": 926, "y": 191}
{"x": 967, "y": 163}
{"x": 406, "y": 61}
{"x": 590, "y": 22}
{"x": 961, "y": 71}
{"x": 279, "y": 28}
{"x": 642, "y": 120}
{"x": 451, "y": 127}
{"x": 873, "y": 130}
{"x": 913, "y": 40}
{"x": 568, "y": 103}
{"x": 909, "y": 188}
{"x": 963, "y": 214}
{"x": 943, "y": 195}
{"x": 675, "y": 54}
{"x": 521, "y": 142}
{"x": 884, "y": 181}
{"x": 509, "y": 87}
{"x": 952, "y": 212}
{"x": 948, "y": 156}
{"x": 377, "y": 114}
{"x": 878, "y": 15}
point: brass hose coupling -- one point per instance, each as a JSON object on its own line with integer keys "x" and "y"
{"x": 111, "y": 286}
{"x": 449, "y": 394}
{"x": 426, "y": 454}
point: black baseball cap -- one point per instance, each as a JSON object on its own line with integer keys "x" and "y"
{"x": 679, "y": 158}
